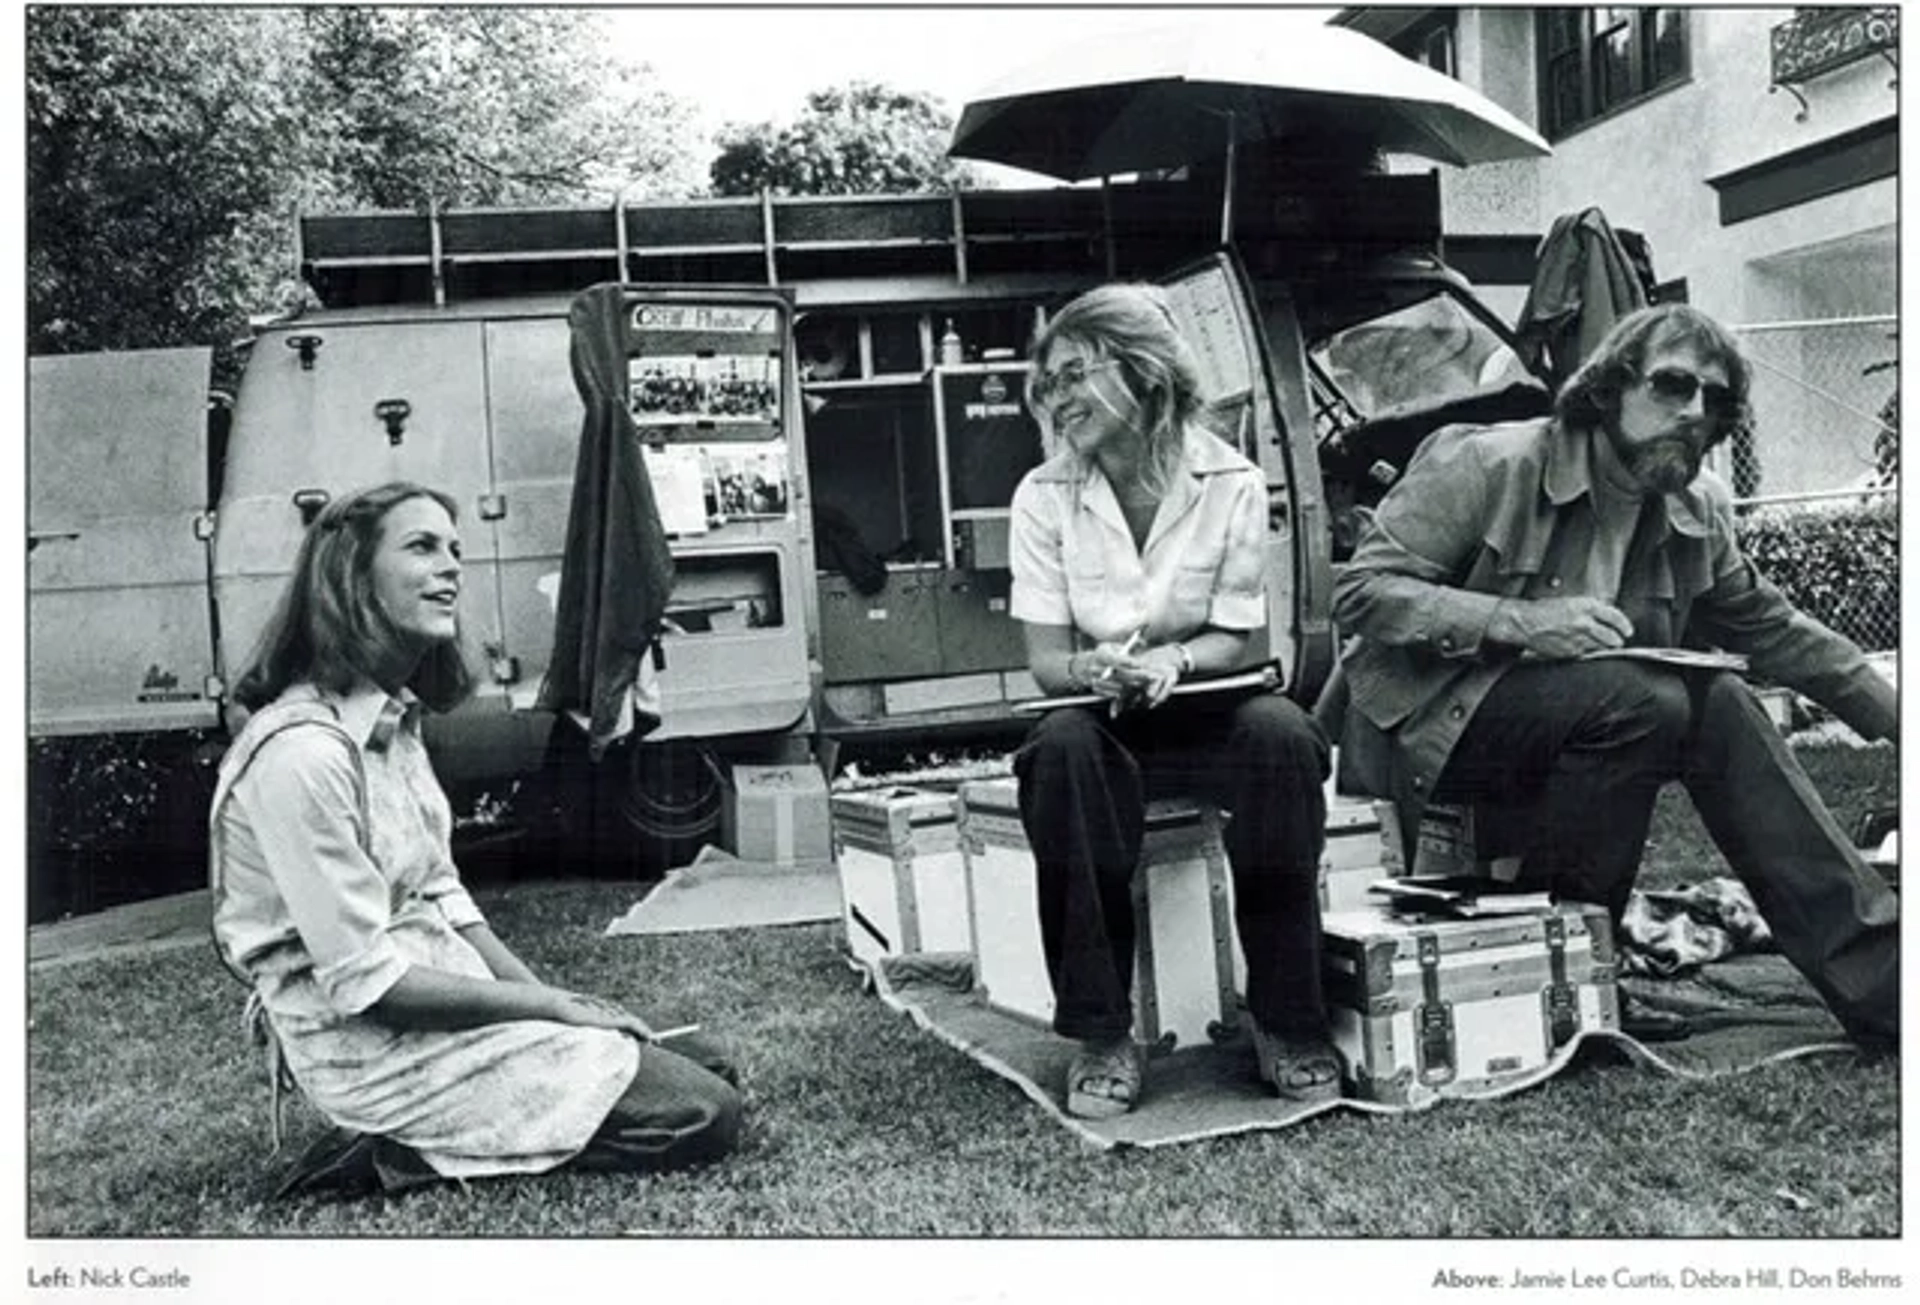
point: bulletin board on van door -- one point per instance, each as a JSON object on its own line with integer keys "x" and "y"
{"x": 703, "y": 387}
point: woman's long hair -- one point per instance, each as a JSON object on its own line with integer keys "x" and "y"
{"x": 1133, "y": 325}
{"x": 327, "y": 627}
{"x": 1591, "y": 396}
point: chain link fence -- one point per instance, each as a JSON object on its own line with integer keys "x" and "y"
{"x": 1817, "y": 482}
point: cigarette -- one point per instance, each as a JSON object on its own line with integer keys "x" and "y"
{"x": 678, "y": 1032}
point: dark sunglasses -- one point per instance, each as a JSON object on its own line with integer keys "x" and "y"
{"x": 1675, "y": 387}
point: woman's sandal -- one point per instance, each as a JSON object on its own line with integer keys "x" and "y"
{"x": 1303, "y": 1070}
{"x": 1104, "y": 1081}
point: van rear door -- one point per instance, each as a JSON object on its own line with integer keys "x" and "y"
{"x": 1253, "y": 372}
{"x": 338, "y": 402}
{"x": 709, "y": 384}
{"x": 119, "y": 618}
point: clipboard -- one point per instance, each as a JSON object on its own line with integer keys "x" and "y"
{"x": 1260, "y": 679}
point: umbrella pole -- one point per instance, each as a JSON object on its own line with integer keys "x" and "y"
{"x": 1106, "y": 226}
{"x": 1226, "y": 191}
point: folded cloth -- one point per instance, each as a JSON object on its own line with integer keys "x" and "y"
{"x": 1667, "y": 933}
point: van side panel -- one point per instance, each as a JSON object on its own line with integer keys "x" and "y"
{"x": 119, "y": 624}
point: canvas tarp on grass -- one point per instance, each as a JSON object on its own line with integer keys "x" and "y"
{"x": 1746, "y": 1011}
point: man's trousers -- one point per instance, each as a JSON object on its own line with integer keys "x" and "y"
{"x": 1587, "y": 745}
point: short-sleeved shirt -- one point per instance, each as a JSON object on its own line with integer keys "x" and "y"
{"x": 1075, "y": 562}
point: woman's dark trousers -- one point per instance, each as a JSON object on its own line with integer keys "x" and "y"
{"x": 682, "y": 1108}
{"x": 1085, "y": 781}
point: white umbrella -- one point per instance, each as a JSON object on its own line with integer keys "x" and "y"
{"x": 1162, "y": 98}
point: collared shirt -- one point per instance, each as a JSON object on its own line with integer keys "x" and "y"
{"x": 301, "y": 867}
{"x": 1487, "y": 513}
{"x": 1075, "y": 562}
{"x": 325, "y": 908}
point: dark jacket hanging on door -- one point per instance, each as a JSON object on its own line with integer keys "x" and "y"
{"x": 1586, "y": 277}
{"x": 617, "y": 570}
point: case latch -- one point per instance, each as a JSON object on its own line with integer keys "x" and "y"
{"x": 1433, "y": 1021}
{"x": 1560, "y": 1005}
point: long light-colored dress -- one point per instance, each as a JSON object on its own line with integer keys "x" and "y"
{"x": 333, "y": 874}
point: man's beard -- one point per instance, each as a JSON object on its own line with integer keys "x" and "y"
{"x": 1667, "y": 463}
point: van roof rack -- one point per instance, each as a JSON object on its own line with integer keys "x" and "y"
{"x": 1137, "y": 228}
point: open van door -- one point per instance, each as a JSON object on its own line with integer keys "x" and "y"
{"x": 1253, "y": 372}
{"x": 119, "y": 618}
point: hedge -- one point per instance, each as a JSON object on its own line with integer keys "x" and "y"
{"x": 1839, "y": 565}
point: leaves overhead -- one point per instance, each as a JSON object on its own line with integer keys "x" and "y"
{"x": 863, "y": 138}
{"x": 168, "y": 149}
{"x": 487, "y": 106}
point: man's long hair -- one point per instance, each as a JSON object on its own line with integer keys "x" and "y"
{"x": 328, "y": 629}
{"x": 1133, "y": 325}
{"x": 1591, "y": 396}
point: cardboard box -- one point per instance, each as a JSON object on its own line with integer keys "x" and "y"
{"x": 1424, "y": 1008}
{"x": 903, "y": 885}
{"x": 1188, "y": 970}
{"x": 777, "y": 814}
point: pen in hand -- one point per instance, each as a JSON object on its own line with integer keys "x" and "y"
{"x": 1128, "y": 649}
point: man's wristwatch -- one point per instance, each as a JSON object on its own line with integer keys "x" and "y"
{"x": 1186, "y": 659}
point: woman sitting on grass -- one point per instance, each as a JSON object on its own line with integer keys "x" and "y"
{"x": 399, "y": 1013}
{"x": 1139, "y": 556}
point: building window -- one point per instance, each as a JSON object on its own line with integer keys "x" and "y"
{"x": 1595, "y": 61}
{"x": 1430, "y": 41}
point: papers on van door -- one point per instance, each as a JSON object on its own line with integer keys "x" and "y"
{"x": 679, "y": 487}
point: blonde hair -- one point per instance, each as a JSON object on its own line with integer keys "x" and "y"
{"x": 1133, "y": 325}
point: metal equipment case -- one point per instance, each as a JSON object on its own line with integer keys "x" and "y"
{"x": 1188, "y": 971}
{"x": 903, "y": 887}
{"x": 1438, "y": 1007}
{"x": 1357, "y": 853}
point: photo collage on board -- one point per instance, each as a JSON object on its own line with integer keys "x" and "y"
{"x": 677, "y": 402}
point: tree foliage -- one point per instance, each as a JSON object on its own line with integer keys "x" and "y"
{"x": 859, "y": 139}
{"x": 486, "y": 106}
{"x": 168, "y": 149}
{"x": 156, "y": 147}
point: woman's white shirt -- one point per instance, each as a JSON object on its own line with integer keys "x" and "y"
{"x": 1075, "y": 562}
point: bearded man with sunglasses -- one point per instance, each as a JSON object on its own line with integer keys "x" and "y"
{"x": 1498, "y": 574}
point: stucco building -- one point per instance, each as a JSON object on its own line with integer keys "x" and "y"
{"x": 1756, "y": 149}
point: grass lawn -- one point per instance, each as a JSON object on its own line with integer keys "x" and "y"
{"x": 147, "y": 1117}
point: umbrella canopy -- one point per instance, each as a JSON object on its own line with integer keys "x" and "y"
{"x": 1136, "y": 101}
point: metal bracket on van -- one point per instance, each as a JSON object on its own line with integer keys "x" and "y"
{"x": 309, "y": 347}
{"x": 310, "y": 501}
{"x": 394, "y": 412}
{"x": 493, "y": 507}
{"x": 203, "y": 526}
